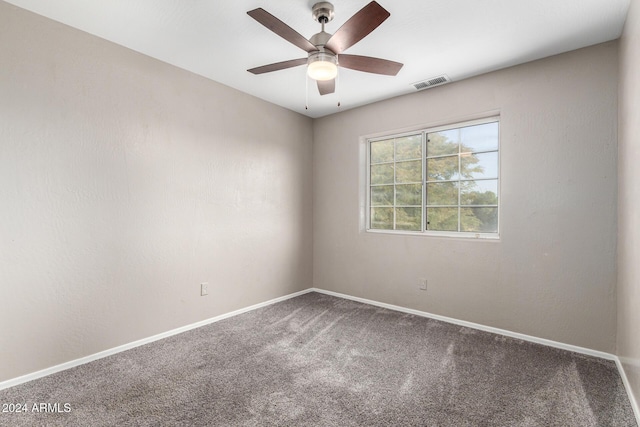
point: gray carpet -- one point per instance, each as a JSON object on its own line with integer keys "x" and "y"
{"x": 317, "y": 360}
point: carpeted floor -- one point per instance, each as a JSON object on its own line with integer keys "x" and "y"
{"x": 317, "y": 360}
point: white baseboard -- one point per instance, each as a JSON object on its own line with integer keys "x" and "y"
{"x": 627, "y": 386}
{"x": 524, "y": 337}
{"x": 81, "y": 361}
{"x": 478, "y": 326}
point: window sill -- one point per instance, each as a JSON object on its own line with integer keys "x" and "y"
{"x": 446, "y": 234}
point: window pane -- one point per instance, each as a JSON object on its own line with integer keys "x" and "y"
{"x": 409, "y": 171}
{"x": 382, "y": 218}
{"x": 442, "y": 219}
{"x": 479, "y": 192}
{"x": 382, "y": 174}
{"x": 409, "y": 194}
{"x": 447, "y": 181}
{"x": 479, "y": 138}
{"x": 409, "y": 147}
{"x": 382, "y": 196}
{"x": 382, "y": 151}
{"x": 409, "y": 219}
{"x": 480, "y": 220}
{"x": 442, "y": 193}
{"x": 442, "y": 168}
{"x": 483, "y": 165}
{"x": 442, "y": 143}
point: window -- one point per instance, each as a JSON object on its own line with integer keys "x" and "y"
{"x": 436, "y": 181}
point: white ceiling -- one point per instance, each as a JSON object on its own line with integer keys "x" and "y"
{"x": 460, "y": 38}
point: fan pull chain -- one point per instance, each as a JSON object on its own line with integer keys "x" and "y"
{"x": 306, "y": 91}
{"x": 338, "y": 87}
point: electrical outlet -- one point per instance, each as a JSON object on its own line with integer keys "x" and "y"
{"x": 204, "y": 289}
{"x": 423, "y": 284}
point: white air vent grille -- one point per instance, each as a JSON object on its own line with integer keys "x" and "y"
{"x": 434, "y": 81}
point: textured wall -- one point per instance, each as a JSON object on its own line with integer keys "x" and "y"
{"x": 552, "y": 274}
{"x": 629, "y": 200}
{"x": 124, "y": 183}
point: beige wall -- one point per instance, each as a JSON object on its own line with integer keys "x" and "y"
{"x": 629, "y": 200}
{"x": 124, "y": 183}
{"x": 552, "y": 274}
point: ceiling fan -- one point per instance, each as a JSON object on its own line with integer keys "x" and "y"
{"x": 325, "y": 50}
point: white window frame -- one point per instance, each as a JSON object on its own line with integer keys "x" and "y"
{"x": 424, "y": 131}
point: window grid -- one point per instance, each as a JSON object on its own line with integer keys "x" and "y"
{"x": 395, "y": 162}
{"x": 424, "y": 157}
{"x": 459, "y": 181}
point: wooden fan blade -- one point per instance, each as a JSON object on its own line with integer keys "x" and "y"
{"x": 369, "y": 64}
{"x": 357, "y": 27}
{"x": 281, "y": 29}
{"x": 278, "y": 66}
{"x": 326, "y": 87}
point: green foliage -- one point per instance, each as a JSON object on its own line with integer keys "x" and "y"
{"x": 409, "y": 148}
{"x": 382, "y": 195}
{"x": 446, "y": 168}
{"x": 442, "y": 219}
{"x": 382, "y": 218}
{"x": 410, "y": 171}
{"x": 409, "y": 219}
{"x": 382, "y": 151}
{"x": 442, "y": 193}
{"x": 409, "y": 195}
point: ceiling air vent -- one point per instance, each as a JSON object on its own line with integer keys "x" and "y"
{"x": 434, "y": 81}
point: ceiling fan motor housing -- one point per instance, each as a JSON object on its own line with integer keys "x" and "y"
{"x": 322, "y": 12}
{"x": 320, "y": 39}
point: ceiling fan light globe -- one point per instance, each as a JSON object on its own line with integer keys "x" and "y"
{"x": 322, "y": 70}
{"x": 322, "y": 66}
